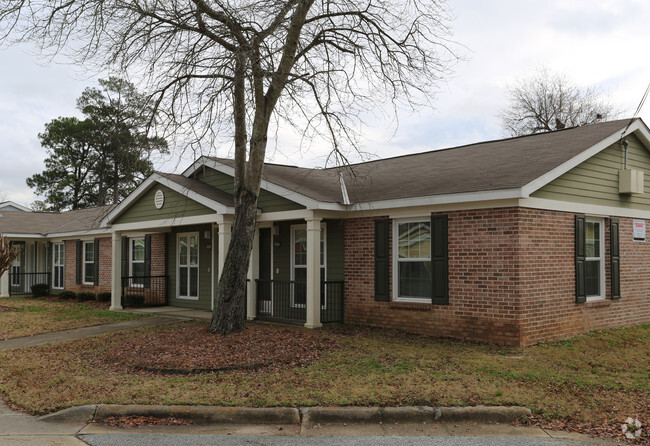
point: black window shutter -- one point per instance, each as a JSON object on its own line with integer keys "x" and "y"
{"x": 96, "y": 279}
{"x": 439, "y": 260}
{"x": 382, "y": 260}
{"x": 581, "y": 295}
{"x": 125, "y": 256}
{"x": 615, "y": 259}
{"x": 147, "y": 260}
{"x": 80, "y": 253}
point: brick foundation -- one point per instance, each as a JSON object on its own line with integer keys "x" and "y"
{"x": 511, "y": 280}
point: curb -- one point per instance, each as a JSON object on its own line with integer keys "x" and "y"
{"x": 307, "y": 416}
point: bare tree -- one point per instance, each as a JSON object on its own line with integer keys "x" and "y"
{"x": 548, "y": 101}
{"x": 8, "y": 254}
{"x": 239, "y": 67}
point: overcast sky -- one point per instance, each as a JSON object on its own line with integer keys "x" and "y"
{"x": 601, "y": 43}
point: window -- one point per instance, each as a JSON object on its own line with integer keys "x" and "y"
{"x": 590, "y": 258}
{"x": 137, "y": 254}
{"x": 89, "y": 263}
{"x": 15, "y": 272}
{"x": 299, "y": 264}
{"x": 58, "y": 264}
{"x": 188, "y": 266}
{"x": 594, "y": 258}
{"x": 412, "y": 244}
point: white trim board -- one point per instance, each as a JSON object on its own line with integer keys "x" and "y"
{"x": 582, "y": 208}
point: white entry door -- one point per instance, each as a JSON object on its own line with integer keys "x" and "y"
{"x": 188, "y": 266}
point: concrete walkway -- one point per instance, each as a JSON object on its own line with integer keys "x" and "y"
{"x": 78, "y": 333}
{"x": 186, "y": 313}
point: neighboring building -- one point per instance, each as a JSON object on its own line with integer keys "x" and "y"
{"x": 11, "y": 206}
{"x": 515, "y": 241}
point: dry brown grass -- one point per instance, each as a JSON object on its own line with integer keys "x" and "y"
{"x": 27, "y": 317}
{"x": 602, "y": 377}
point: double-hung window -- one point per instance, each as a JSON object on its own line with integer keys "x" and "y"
{"x": 412, "y": 269}
{"x": 58, "y": 264}
{"x": 590, "y": 258}
{"x": 89, "y": 263}
{"x": 299, "y": 264}
{"x": 137, "y": 254}
{"x": 595, "y": 259}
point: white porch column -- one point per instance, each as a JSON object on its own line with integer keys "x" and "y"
{"x": 225, "y": 229}
{"x": 116, "y": 272}
{"x": 4, "y": 285}
{"x": 253, "y": 273}
{"x": 313, "y": 273}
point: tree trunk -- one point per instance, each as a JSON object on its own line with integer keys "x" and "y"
{"x": 229, "y": 314}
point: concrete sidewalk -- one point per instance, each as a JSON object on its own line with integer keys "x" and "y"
{"x": 64, "y": 428}
{"x": 19, "y": 429}
{"x": 78, "y": 333}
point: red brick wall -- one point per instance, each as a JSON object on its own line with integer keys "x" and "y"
{"x": 105, "y": 266}
{"x": 105, "y": 250}
{"x": 511, "y": 280}
{"x": 549, "y": 310}
{"x": 483, "y": 281}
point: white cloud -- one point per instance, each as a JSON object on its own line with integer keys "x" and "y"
{"x": 597, "y": 43}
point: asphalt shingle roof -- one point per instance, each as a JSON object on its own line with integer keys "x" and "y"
{"x": 493, "y": 165}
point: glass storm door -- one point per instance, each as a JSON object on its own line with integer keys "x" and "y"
{"x": 188, "y": 266}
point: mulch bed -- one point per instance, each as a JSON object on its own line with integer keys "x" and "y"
{"x": 193, "y": 349}
{"x": 138, "y": 421}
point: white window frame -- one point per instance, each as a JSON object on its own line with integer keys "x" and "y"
{"x": 396, "y": 260}
{"x": 178, "y": 265}
{"x": 85, "y": 263}
{"x": 15, "y": 271}
{"x": 323, "y": 231}
{"x": 61, "y": 248}
{"x": 131, "y": 261}
{"x": 601, "y": 258}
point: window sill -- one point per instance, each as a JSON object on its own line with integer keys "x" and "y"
{"x": 598, "y": 303}
{"x": 413, "y": 306}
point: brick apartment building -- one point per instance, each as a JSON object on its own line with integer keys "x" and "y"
{"x": 516, "y": 241}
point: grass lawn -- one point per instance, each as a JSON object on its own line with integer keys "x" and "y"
{"x": 26, "y": 317}
{"x": 600, "y": 377}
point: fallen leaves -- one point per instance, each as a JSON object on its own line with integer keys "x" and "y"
{"x": 132, "y": 421}
{"x": 193, "y": 349}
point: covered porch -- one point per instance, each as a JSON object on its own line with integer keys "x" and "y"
{"x": 295, "y": 272}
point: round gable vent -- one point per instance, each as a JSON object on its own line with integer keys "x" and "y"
{"x": 159, "y": 199}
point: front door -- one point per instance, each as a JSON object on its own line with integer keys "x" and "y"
{"x": 188, "y": 266}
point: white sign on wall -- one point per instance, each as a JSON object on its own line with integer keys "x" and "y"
{"x": 638, "y": 231}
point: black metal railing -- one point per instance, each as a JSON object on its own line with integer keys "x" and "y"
{"x": 20, "y": 284}
{"x": 287, "y": 300}
{"x": 147, "y": 291}
{"x": 331, "y": 298}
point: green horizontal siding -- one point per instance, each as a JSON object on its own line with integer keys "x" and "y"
{"x": 205, "y": 267}
{"x": 176, "y": 206}
{"x": 268, "y": 201}
{"x": 595, "y": 181}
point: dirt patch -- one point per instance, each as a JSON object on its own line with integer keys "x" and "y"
{"x": 5, "y": 309}
{"x": 193, "y": 349}
{"x": 138, "y": 421}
